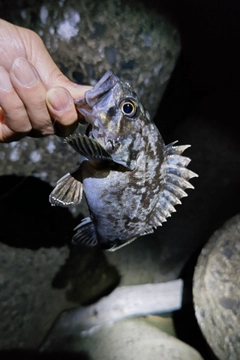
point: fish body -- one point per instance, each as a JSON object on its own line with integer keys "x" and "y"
{"x": 130, "y": 178}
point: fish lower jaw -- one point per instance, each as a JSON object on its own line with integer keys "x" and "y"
{"x": 106, "y": 143}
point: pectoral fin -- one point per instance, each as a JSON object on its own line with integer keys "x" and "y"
{"x": 87, "y": 147}
{"x": 68, "y": 191}
{"x": 92, "y": 150}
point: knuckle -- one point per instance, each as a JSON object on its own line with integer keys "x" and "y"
{"x": 17, "y": 119}
{"x": 38, "y": 104}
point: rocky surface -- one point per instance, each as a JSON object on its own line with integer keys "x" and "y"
{"x": 122, "y": 303}
{"x": 47, "y": 159}
{"x": 24, "y": 290}
{"x": 126, "y": 340}
{"x": 217, "y": 291}
{"x": 31, "y": 295}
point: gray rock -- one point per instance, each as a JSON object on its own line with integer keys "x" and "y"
{"x": 28, "y": 303}
{"x": 32, "y": 295}
{"x": 217, "y": 291}
{"x": 47, "y": 159}
{"x": 128, "y": 340}
{"x": 124, "y": 302}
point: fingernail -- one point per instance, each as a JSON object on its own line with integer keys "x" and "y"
{"x": 59, "y": 99}
{"x": 24, "y": 72}
{"x": 5, "y": 83}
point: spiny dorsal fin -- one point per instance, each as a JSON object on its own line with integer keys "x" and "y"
{"x": 175, "y": 179}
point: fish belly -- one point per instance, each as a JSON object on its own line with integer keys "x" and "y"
{"x": 115, "y": 205}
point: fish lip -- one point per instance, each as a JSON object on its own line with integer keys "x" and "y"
{"x": 103, "y": 86}
{"x": 93, "y": 96}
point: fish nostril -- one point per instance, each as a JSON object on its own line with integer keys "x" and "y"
{"x": 109, "y": 145}
{"x": 99, "y": 132}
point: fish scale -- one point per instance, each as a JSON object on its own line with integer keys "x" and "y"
{"x": 131, "y": 179}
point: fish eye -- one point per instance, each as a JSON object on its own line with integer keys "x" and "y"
{"x": 128, "y": 107}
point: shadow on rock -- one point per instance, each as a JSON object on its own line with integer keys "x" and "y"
{"x": 87, "y": 275}
{"x": 30, "y": 355}
{"x": 27, "y": 218}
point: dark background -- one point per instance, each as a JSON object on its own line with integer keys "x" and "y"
{"x": 201, "y": 104}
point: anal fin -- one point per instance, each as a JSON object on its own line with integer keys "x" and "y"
{"x": 86, "y": 233}
{"x": 119, "y": 244}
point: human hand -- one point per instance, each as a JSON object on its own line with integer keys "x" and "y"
{"x": 36, "y": 99}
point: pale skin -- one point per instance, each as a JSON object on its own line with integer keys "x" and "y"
{"x": 36, "y": 99}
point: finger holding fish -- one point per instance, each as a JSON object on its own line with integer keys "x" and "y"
{"x": 25, "y": 109}
{"x": 14, "y": 121}
{"x": 32, "y": 92}
{"x": 62, "y": 110}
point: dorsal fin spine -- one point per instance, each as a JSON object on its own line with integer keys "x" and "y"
{"x": 174, "y": 179}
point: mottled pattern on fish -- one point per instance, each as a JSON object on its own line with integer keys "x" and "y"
{"x": 131, "y": 180}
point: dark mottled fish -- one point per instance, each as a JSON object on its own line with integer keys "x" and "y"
{"x": 131, "y": 180}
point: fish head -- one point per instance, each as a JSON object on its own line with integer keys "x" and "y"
{"x": 116, "y": 118}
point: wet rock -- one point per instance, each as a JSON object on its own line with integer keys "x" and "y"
{"x": 28, "y": 303}
{"x": 33, "y": 291}
{"x": 128, "y": 339}
{"x": 217, "y": 291}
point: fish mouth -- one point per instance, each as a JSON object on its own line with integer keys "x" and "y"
{"x": 100, "y": 92}
{"x": 103, "y": 86}
{"x": 108, "y": 141}
{"x": 93, "y": 96}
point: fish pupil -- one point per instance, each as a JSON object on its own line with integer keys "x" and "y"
{"x": 128, "y": 108}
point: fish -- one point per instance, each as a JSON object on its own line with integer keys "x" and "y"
{"x": 131, "y": 180}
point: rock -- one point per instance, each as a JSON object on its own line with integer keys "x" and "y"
{"x": 47, "y": 159}
{"x": 28, "y": 303}
{"x": 217, "y": 290}
{"x": 123, "y": 302}
{"x": 127, "y": 339}
{"x": 32, "y": 295}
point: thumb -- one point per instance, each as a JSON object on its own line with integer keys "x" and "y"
{"x": 57, "y": 79}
